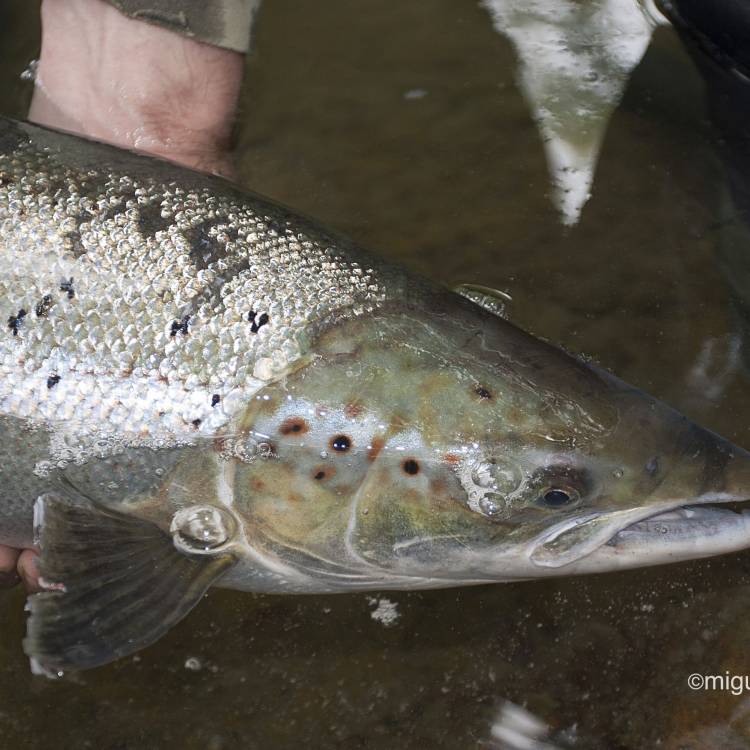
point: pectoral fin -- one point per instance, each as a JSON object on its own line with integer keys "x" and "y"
{"x": 114, "y": 584}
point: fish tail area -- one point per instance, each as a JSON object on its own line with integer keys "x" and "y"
{"x": 113, "y": 584}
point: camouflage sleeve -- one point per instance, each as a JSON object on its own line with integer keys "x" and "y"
{"x": 225, "y": 23}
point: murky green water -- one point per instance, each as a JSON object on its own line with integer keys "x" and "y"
{"x": 454, "y": 184}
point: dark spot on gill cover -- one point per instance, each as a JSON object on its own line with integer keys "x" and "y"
{"x": 52, "y": 381}
{"x": 411, "y": 466}
{"x": 66, "y": 285}
{"x": 258, "y": 321}
{"x": 14, "y": 321}
{"x": 180, "y": 326}
{"x": 43, "y": 306}
{"x": 341, "y": 443}
{"x": 323, "y": 472}
{"x": 293, "y": 425}
{"x": 482, "y": 392}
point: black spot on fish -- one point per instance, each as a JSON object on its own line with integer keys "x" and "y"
{"x": 150, "y": 220}
{"x": 196, "y": 423}
{"x": 43, "y": 306}
{"x": 482, "y": 392}
{"x": 258, "y": 321}
{"x": 411, "y": 466}
{"x": 180, "y": 326}
{"x": 341, "y": 443}
{"x": 215, "y": 399}
{"x": 14, "y": 321}
{"x": 66, "y": 285}
{"x": 52, "y": 381}
{"x": 323, "y": 472}
{"x": 293, "y": 425}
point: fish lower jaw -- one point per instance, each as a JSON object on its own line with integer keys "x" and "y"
{"x": 683, "y": 533}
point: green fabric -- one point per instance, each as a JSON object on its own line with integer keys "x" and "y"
{"x": 225, "y": 23}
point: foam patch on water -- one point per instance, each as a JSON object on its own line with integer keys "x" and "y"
{"x": 385, "y": 612}
{"x": 574, "y": 62}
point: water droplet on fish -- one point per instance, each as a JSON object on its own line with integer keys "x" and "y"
{"x": 264, "y": 450}
{"x": 490, "y": 504}
{"x": 43, "y": 468}
{"x": 617, "y": 473}
{"x": 201, "y": 528}
{"x": 159, "y": 472}
{"x": 324, "y": 454}
{"x": 112, "y": 485}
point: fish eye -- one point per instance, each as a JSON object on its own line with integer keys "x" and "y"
{"x": 556, "y": 497}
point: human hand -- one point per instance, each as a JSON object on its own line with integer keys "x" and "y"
{"x": 139, "y": 86}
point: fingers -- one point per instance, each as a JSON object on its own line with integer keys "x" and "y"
{"x": 28, "y": 571}
{"x": 18, "y": 565}
{"x": 8, "y": 571}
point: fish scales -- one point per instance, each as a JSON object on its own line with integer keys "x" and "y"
{"x": 134, "y": 299}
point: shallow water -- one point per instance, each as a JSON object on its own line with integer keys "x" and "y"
{"x": 453, "y": 182}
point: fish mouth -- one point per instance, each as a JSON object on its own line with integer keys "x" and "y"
{"x": 713, "y": 525}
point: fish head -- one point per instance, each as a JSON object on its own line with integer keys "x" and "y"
{"x": 436, "y": 444}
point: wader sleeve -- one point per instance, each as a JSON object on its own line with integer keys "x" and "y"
{"x": 224, "y": 23}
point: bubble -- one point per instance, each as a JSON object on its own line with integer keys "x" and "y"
{"x": 264, "y": 450}
{"x": 201, "y": 528}
{"x": 489, "y": 483}
{"x": 43, "y": 468}
{"x": 193, "y": 663}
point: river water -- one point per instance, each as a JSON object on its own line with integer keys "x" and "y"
{"x": 402, "y": 125}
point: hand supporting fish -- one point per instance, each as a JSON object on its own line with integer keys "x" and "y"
{"x": 199, "y": 387}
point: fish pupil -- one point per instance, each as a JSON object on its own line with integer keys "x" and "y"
{"x": 556, "y": 498}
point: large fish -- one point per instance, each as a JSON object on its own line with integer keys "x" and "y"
{"x": 199, "y": 387}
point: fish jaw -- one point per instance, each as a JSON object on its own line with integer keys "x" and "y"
{"x": 644, "y": 538}
{"x": 451, "y": 424}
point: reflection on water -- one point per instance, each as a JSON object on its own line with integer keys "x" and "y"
{"x": 401, "y": 124}
{"x": 574, "y": 62}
